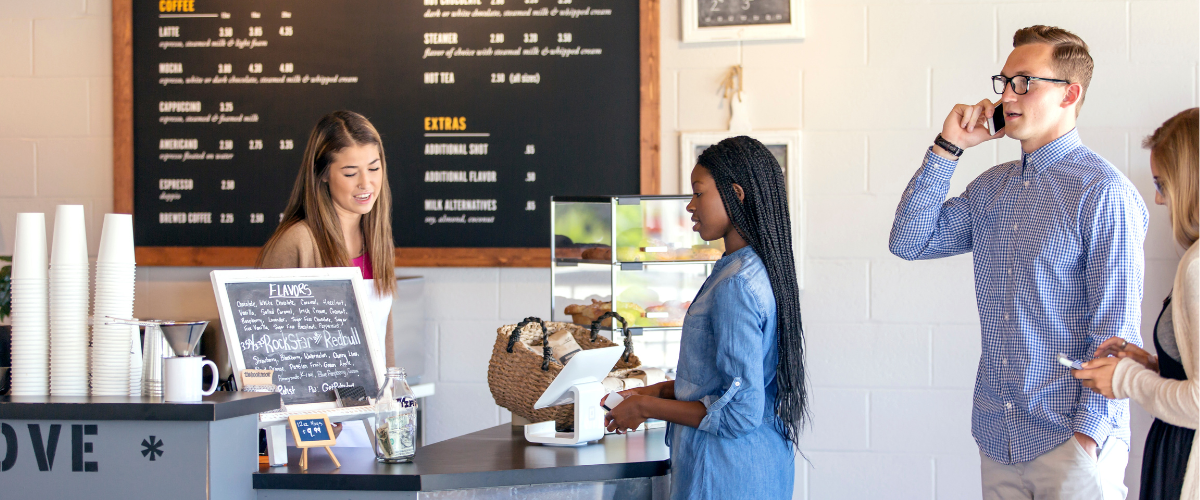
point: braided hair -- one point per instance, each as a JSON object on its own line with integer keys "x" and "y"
{"x": 762, "y": 219}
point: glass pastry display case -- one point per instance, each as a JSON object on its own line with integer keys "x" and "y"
{"x": 638, "y": 253}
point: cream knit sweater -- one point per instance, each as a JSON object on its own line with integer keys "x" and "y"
{"x": 1173, "y": 401}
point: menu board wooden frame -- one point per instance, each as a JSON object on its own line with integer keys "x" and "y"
{"x": 122, "y": 29}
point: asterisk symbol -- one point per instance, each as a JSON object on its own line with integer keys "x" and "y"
{"x": 152, "y": 447}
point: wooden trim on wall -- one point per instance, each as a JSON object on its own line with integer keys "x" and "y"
{"x": 122, "y": 28}
{"x": 651, "y": 110}
{"x": 405, "y": 257}
{"x": 122, "y": 47}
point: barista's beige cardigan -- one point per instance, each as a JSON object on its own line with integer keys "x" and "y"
{"x": 1173, "y": 401}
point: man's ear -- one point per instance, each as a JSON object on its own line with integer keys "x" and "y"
{"x": 1074, "y": 93}
{"x": 741, "y": 194}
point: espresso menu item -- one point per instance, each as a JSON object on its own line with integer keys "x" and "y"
{"x": 308, "y": 332}
{"x": 486, "y": 109}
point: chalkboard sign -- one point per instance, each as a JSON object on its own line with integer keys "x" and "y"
{"x": 486, "y": 109}
{"x": 305, "y": 324}
{"x": 309, "y": 430}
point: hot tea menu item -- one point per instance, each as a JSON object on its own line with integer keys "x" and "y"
{"x": 308, "y": 332}
{"x": 486, "y": 108}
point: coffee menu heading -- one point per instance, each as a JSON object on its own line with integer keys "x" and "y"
{"x": 486, "y": 109}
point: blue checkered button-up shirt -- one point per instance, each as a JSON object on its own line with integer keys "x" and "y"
{"x": 1057, "y": 245}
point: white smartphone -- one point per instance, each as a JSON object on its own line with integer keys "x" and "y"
{"x": 1066, "y": 361}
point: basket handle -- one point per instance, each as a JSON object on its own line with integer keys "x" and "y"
{"x": 609, "y": 314}
{"x": 624, "y": 326}
{"x": 516, "y": 334}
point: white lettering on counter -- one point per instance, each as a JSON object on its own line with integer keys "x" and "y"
{"x": 178, "y": 144}
{"x": 178, "y": 106}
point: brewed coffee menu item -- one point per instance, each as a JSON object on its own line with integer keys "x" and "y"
{"x": 486, "y": 109}
{"x": 309, "y": 332}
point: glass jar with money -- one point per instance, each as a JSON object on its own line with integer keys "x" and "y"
{"x": 395, "y": 439}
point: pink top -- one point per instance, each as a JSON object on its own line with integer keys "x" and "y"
{"x": 364, "y": 263}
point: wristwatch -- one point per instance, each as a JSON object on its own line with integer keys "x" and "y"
{"x": 948, "y": 146}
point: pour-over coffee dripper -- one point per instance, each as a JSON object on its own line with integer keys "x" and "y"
{"x": 183, "y": 336}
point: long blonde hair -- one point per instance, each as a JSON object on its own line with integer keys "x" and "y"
{"x": 311, "y": 203}
{"x": 1175, "y": 150}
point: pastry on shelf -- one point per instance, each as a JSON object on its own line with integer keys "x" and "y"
{"x": 585, "y": 314}
{"x": 597, "y": 253}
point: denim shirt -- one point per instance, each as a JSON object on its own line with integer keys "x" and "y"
{"x": 727, "y": 359}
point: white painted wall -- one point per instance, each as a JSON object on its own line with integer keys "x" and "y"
{"x": 892, "y": 345}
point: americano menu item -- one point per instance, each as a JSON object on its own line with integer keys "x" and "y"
{"x": 305, "y": 324}
{"x": 486, "y": 109}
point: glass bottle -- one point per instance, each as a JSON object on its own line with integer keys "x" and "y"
{"x": 395, "y": 436}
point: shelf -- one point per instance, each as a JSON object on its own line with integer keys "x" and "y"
{"x": 571, "y": 262}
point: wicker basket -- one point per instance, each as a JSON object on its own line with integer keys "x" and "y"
{"x": 517, "y": 375}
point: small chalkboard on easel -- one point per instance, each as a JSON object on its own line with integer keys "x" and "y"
{"x": 311, "y": 431}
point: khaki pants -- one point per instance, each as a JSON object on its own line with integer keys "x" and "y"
{"x": 1066, "y": 472}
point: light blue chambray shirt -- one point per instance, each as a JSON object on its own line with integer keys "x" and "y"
{"x": 727, "y": 360}
{"x": 1056, "y": 239}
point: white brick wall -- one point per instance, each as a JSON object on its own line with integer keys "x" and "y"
{"x": 892, "y": 345}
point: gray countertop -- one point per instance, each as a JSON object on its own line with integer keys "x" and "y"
{"x": 499, "y": 456}
{"x": 219, "y": 406}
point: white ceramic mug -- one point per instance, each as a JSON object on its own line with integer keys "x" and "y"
{"x": 183, "y": 376}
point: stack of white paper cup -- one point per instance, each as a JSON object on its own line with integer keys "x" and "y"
{"x": 69, "y": 304}
{"x": 30, "y": 308}
{"x": 113, "y": 299}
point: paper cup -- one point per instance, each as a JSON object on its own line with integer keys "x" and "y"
{"x": 29, "y": 247}
{"x": 70, "y": 236}
{"x": 116, "y": 239}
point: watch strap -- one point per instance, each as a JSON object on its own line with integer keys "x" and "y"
{"x": 948, "y": 146}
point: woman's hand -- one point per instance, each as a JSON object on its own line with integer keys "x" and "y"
{"x": 1097, "y": 375}
{"x": 1120, "y": 348}
{"x": 628, "y": 415}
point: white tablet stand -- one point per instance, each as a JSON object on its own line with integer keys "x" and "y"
{"x": 579, "y": 383}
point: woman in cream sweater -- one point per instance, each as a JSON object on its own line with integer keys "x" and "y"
{"x": 1166, "y": 385}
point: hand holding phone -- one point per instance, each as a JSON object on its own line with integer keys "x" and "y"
{"x": 997, "y": 122}
{"x": 1066, "y": 361}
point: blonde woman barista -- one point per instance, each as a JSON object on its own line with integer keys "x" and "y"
{"x": 340, "y": 215}
{"x": 1166, "y": 385}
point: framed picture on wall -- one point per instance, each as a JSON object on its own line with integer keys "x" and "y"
{"x": 785, "y": 146}
{"x": 734, "y": 20}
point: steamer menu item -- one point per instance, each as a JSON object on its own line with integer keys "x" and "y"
{"x": 308, "y": 330}
{"x": 486, "y": 109}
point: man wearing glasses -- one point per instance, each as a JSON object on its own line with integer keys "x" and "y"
{"x": 1056, "y": 239}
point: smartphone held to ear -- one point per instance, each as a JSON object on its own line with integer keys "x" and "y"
{"x": 997, "y": 121}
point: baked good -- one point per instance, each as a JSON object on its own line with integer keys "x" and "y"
{"x": 597, "y": 253}
{"x": 585, "y": 314}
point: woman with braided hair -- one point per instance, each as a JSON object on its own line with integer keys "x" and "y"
{"x": 738, "y": 401}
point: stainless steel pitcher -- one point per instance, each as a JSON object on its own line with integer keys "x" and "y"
{"x": 154, "y": 349}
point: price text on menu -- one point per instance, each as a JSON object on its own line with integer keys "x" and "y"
{"x": 486, "y": 109}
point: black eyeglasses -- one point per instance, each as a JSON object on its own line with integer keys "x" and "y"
{"x": 1020, "y": 83}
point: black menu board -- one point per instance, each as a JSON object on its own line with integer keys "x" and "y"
{"x": 486, "y": 109}
{"x": 308, "y": 331}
